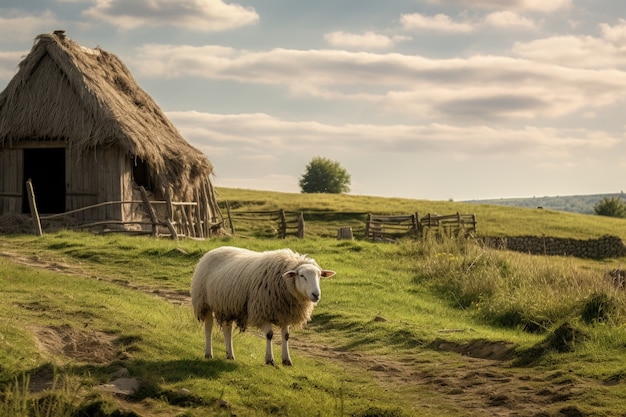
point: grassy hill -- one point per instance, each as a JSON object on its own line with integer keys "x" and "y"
{"x": 324, "y": 213}
{"x": 571, "y": 203}
{"x": 437, "y": 328}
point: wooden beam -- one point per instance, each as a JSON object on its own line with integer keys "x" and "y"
{"x": 33, "y": 207}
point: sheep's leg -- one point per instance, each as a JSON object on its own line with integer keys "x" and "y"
{"x": 208, "y": 331}
{"x": 269, "y": 334}
{"x": 284, "y": 331}
{"x": 228, "y": 340}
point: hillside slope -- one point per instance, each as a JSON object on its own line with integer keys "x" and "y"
{"x": 571, "y": 203}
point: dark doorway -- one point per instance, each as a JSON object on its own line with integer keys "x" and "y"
{"x": 46, "y": 169}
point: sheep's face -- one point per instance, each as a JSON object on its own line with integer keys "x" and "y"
{"x": 307, "y": 280}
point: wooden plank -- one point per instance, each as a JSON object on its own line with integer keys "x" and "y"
{"x": 149, "y": 210}
{"x": 33, "y": 208}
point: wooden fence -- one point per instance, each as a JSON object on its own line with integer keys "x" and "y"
{"x": 391, "y": 228}
{"x": 181, "y": 218}
{"x": 278, "y": 223}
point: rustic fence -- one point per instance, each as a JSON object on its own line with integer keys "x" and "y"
{"x": 276, "y": 223}
{"x": 181, "y": 219}
{"x": 450, "y": 224}
{"x": 391, "y": 228}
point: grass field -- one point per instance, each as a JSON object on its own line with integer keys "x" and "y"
{"x": 437, "y": 327}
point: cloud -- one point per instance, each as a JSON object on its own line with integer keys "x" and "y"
{"x": 19, "y": 25}
{"x": 615, "y": 34}
{"x": 9, "y": 62}
{"x": 544, "y": 6}
{"x": 509, "y": 20}
{"x": 442, "y": 23}
{"x": 368, "y": 40}
{"x": 476, "y": 88}
{"x": 247, "y": 135}
{"x": 439, "y": 23}
{"x": 200, "y": 15}
{"x": 587, "y": 51}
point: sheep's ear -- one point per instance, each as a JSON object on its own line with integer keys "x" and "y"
{"x": 290, "y": 274}
{"x": 327, "y": 273}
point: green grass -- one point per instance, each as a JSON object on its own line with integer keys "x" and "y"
{"x": 389, "y": 306}
{"x": 492, "y": 220}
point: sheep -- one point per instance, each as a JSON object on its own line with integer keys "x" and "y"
{"x": 259, "y": 289}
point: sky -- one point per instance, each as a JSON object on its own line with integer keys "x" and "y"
{"x": 426, "y": 99}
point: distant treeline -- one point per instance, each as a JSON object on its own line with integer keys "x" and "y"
{"x": 572, "y": 203}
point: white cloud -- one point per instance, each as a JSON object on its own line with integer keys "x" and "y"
{"x": 574, "y": 51}
{"x": 474, "y": 88}
{"x": 367, "y": 40}
{"x": 8, "y": 64}
{"x": 509, "y": 20}
{"x": 439, "y": 22}
{"x": 200, "y": 15}
{"x": 545, "y": 6}
{"x": 19, "y": 25}
{"x": 615, "y": 34}
{"x": 248, "y": 135}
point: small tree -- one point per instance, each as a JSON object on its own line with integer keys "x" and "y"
{"x": 611, "y": 207}
{"x": 324, "y": 175}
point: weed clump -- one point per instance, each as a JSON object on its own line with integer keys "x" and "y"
{"x": 599, "y": 308}
{"x": 513, "y": 290}
{"x": 563, "y": 339}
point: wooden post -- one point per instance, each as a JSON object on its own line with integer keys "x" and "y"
{"x": 301, "y": 226}
{"x": 33, "y": 207}
{"x": 169, "y": 217}
{"x": 199, "y": 222}
{"x": 172, "y": 229}
{"x": 418, "y": 225}
{"x": 367, "y": 225}
{"x": 282, "y": 232}
{"x": 149, "y": 210}
{"x": 206, "y": 212}
{"x": 230, "y": 219}
{"x": 344, "y": 233}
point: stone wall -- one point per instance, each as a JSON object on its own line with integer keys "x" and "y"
{"x": 604, "y": 247}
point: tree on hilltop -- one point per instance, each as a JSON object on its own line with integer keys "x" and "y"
{"x": 323, "y": 175}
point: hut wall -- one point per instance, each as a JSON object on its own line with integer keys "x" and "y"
{"x": 82, "y": 186}
{"x": 11, "y": 180}
{"x": 97, "y": 177}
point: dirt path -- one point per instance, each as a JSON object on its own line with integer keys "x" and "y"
{"x": 474, "y": 378}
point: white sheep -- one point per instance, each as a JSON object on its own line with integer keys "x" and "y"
{"x": 259, "y": 289}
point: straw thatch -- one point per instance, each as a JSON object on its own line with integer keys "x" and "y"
{"x": 88, "y": 99}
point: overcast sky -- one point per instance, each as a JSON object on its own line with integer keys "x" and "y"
{"x": 428, "y": 99}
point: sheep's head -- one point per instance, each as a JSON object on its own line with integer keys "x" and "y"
{"x": 307, "y": 280}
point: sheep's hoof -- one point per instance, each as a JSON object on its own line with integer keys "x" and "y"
{"x": 230, "y": 357}
{"x": 270, "y": 362}
{"x": 208, "y": 355}
{"x": 287, "y": 362}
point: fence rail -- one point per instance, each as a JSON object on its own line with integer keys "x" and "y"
{"x": 391, "y": 228}
{"x": 182, "y": 218}
{"x": 279, "y": 223}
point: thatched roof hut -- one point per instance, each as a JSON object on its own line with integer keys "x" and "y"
{"x": 75, "y": 121}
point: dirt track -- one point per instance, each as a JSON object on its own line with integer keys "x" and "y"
{"x": 474, "y": 379}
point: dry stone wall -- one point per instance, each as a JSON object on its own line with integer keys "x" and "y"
{"x": 604, "y": 247}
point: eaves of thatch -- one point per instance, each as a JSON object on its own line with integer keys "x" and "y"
{"x": 88, "y": 98}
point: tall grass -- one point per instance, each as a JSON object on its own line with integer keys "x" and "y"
{"x": 515, "y": 290}
{"x": 60, "y": 400}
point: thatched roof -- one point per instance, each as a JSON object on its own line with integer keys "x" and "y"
{"x": 88, "y": 98}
